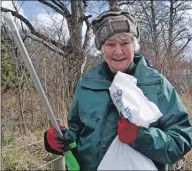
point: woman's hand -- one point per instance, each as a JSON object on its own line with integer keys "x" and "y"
{"x": 127, "y": 132}
{"x": 55, "y": 143}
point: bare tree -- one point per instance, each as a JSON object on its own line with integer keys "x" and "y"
{"x": 73, "y": 51}
{"x": 165, "y": 33}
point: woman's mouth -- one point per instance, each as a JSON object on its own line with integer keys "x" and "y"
{"x": 119, "y": 59}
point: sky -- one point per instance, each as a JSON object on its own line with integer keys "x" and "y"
{"x": 36, "y": 12}
{"x": 38, "y": 15}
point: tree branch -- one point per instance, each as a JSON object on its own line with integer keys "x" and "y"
{"x": 87, "y": 38}
{"x": 31, "y": 28}
{"x": 14, "y": 13}
{"x": 126, "y": 3}
{"x": 51, "y": 6}
{"x": 85, "y": 18}
{"x": 54, "y": 49}
{"x": 63, "y": 7}
{"x": 15, "y": 7}
{"x": 148, "y": 17}
{"x": 184, "y": 46}
{"x": 177, "y": 34}
{"x": 63, "y": 12}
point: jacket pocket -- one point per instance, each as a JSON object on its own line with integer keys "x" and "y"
{"x": 151, "y": 93}
{"x": 90, "y": 122}
{"x": 88, "y": 136}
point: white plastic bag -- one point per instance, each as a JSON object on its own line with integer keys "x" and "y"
{"x": 131, "y": 102}
{"x": 134, "y": 106}
{"x": 121, "y": 156}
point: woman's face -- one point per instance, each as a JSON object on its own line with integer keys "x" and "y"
{"x": 118, "y": 53}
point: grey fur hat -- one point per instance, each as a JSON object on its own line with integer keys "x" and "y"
{"x": 109, "y": 23}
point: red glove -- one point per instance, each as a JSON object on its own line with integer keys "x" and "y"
{"x": 127, "y": 132}
{"x": 55, "y": 143}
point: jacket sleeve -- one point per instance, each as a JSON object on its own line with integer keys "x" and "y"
{"x": 172, "y": 139}
{"x": 74, "y": 122}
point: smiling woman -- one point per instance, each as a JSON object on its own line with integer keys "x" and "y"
{"x": 118, "y": 54}
{"x": 118, "y": 51}
{"x": 93, "y": 119}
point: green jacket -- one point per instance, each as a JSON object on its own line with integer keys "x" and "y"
{"x": 92, "y": 118}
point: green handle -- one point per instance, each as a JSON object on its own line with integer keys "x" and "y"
{"x": 73, "y": 145}
{"x": 70, "y": 160}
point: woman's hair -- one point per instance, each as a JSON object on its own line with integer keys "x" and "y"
{"x": 123, "y": 37}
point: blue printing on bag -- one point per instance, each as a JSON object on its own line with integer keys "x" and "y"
{"x": 118, "y": 97}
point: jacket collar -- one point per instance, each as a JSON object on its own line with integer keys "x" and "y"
{"x": 145, "y": 73}
{"x": 97, "y": 78}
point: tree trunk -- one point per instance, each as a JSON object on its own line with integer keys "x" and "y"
{"x": 75, "y": 57}
{"x": 154, "y": 32}
{"x": 170, "y": 32}
{"x": 112, "y": 4}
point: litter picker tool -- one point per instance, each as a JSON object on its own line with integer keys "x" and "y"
{"x": 69, "y": 158}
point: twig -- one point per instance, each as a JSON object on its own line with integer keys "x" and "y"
{"x": 48, "y": 163}
{"x": 4, "y": 150}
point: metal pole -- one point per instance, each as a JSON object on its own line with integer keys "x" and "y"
{"x": 11, "y": 24}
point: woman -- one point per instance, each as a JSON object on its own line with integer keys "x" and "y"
{"x": 93, "y": 120}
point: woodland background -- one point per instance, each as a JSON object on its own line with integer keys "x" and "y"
{"x": 61, "y": 54}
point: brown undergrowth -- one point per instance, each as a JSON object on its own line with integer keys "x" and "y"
{"x": 26, "y": 152}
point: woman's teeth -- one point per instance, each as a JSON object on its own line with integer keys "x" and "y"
{"x": 118, "y": 59}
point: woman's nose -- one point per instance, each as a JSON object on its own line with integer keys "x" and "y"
{"x": 118, "y": 50}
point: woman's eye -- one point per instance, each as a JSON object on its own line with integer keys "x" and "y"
{"x": 111, "y": 44}
{"x": 125, "y": 43}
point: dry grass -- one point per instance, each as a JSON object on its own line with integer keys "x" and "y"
{"x": 188, "y": 104}
{"x": 19, "y": 151}
{"x": 188, "y": 158}
{"x": 25, "y": 153}
{"x": 17, "y": 154}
